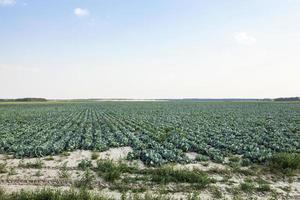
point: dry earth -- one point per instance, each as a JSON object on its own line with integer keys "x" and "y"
{"x": 17, "y": 178}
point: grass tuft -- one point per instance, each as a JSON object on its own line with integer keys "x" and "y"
{"x": 85, "y": 164}
{"x": 87, "y": 179}
{"x": 51, "y": 194}
{"x": 167, "y": 174}
{"x": 112, "y": 171}
{"x": 94, "y": 156}
{"x": 3, "y": 168}
{"x": 63, "y": 171}
{"x": 286, "y": 163}
{"x": 247, "y": 187}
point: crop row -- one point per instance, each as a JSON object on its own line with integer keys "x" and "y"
{"x": 158, "y": 132}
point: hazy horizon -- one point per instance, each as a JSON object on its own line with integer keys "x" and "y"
{"x": 149, "y": 49}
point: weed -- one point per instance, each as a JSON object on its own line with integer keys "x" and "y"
{"x": 216, "y": 193}
{"x": 51, "y": 194}
{"x": 205, "y": 164}
{"x": 112, "y": 171}
{"x": 85, "y": 164}
{"x": 63, "y": 171}
{"x": 220, "y": 171}
{"x": 201, "y": 157}
{"x": 12, "y": 171}
{"x": 286, "y": 163}
{"x": 264, "y": 188}
{"x": 193, "y": 196}
{"x": 86, "y": 180}
{"x": 49, "y": 158}
{"x": 66, "y": 154}
{"x": 245, "y": 162}
{"x": 3, "y": 168}
{"x": 149, "y": 196}
{"x": 94, "y": 156}
{"x": 234, "y": 159}
{"x": 246, "y": 172}
{"x": 247, "y": 187}
{"x": 167, "y": 174}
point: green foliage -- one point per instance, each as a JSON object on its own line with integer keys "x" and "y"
{"x": 216, "y": 193}
{"x": 65, "y": 153}
{"x": 234, "y": 159}
{"x": 94, "y": 156}
{"x": 167, "y": 174}
{"x": 3, "y": 167}
{"x": 64, "y": 172}
{"x": 245, "y": 162}
{"x": 158, "y": 132}
{"x": 49, "y": 158}
{"x": 264, "y": 188}
{"x": 193, "y": 196}
{"x": 150, "y": 196}
{"x": 285, "y": 163}
{"x": 201, "y": 157}
{"x": 111, "y": 170}
{"x": 12, "y": 171}
{"x": 247, "y": 187}
{"x": 50, "y": 194}
{"x": 85, "y": 164}
{"x": 86, "y": 180}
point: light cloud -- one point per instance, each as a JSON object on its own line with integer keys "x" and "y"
{"x": 7, "y": 2}
{"x": 244, "y": 38}
{"x": 80, "y": 12}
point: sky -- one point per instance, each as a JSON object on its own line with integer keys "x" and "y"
{"x": 149, "y": 49}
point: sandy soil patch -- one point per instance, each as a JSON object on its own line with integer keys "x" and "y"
{"x": 191, "y": 155}
{"x": 204, "y": 166}
{"x": 116, "y": 153}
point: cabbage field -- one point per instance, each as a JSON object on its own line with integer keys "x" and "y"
{"x": 158, "y": 132}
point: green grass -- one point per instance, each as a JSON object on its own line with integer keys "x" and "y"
{"x": 246, "y": 172}
{"x": 94, "y": 156}
{"x": 112, "y": 171}
{"x": 3, "y": 168}
{"x": 286, "y": 163}
{"x": 82, "y": 194}
{"x": 84, "y": 164}
{"x": 168, "y": 174}
{"x": 50, "y": 194}
{"x": 66, "y": 154}
{"x": 216, "y": 192}
{"x": 12, "y": 171}
{"x": 86, "y": 180}
{"x": 234, "y": 159}
{"x": 247, "y": 187}
{"x": 193, "y": 196}
{"x": 201, "y": 158}
{"x": 63, "y": 171}
{"x": 264, "y": 188}
{"x": 146, "y": 196}
{"x": 49, "y": 158}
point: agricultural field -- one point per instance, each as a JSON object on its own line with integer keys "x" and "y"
{"x": 191, "y": 148}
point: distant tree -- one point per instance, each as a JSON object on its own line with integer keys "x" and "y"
{"x": 287, "y": 99}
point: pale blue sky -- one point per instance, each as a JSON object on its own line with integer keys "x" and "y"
{"x": 149, "y": 49}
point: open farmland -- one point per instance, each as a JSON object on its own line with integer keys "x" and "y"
{"x": 156, "y": 134}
